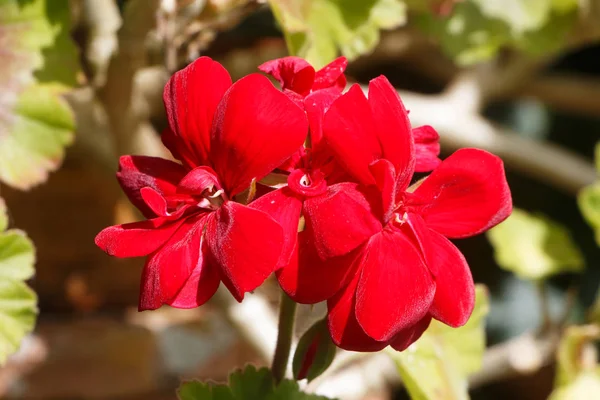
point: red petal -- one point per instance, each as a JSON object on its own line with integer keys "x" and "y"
{"x": 466, "y": 195}
{"x": 345, "y": 331}
{"x": 256, "y": 129}
{"x": 408, "y": 336}
{"x": 245, "y": 244}
{"x": 385, "y": 178}
{"x": 341, "y": 219}
{"x": 348, "y": 128}
{"x": 200, "y": 286}
{"x": 393, "y": 129}
{"x": 191, "y": 97}
{"x": 427, "y": 148}
{"x": 137, "y": 172}
{"x": 455, "y": 291}
{"x": 198, "y": 180}
{"x": 155, "y": 201}
{"x": 284, "y": 208}
{"x": 331, "y": 75}
{"x": 396, "y": 289}
{"x": 136, "y": 239}
{"x": 293, "y": 73}
{"x": 178, "y": 273}
{"x": 307, "y": 279}
{"x": 316, "y": 105}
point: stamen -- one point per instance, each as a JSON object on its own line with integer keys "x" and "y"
{"x": 305, "y": 181}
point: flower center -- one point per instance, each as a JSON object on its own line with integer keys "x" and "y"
{"x": 307, "y": 183}
{"x": 212, "y": 199}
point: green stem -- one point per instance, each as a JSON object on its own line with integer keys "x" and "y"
{"x": 287, "y": 313}
{"x": 544, "y": 306}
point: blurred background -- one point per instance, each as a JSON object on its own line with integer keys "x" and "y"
{"x": 81, "y": 83}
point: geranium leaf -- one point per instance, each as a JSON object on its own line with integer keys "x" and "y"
{"x": 39, "y": 63}
{"x": 577, "y": 376}
{"x": 320, "y": 29}
{"x": 589, "y": 204}
{"x": 437, "y": 365}
{"x": 17, "y": 302}
{"x": 247, "y": 384}
{"x": 477, "y": 29}
{"x": 534, "y": 247}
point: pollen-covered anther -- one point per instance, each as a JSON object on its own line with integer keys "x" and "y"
{"x": 400, "y": 220}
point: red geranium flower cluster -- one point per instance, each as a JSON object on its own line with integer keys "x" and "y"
{"x": 313, "y": 184}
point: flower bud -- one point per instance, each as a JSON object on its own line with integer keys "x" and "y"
{"x": 315, "y": 352}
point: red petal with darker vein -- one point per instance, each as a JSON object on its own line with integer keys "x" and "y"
{"x": 455, "y": 291}
{"x": 155, "y": 201}
{"x": 284, "y": 208}
{"x": 175, "y": 273}
{"x": 293, "y": 73}
{"x": 256, "y": 129}
{"x": 201, "y": 285}
{"x": 427, "y": 148}
{"x": 393, "y": 130}
{"x": 395, "y": 289}
{"x": 466, "y": 195}
{"x": 191, "y": 97}
{"x": 385, "y": 178}
{"x": 307, "y": 279}
{"x": 345, "y": 331}
{"x": 341, "y": 219}
{"x": 348, "y": 130}
{"x": 245, "y": 244}
{"x": 331, "y": 75}
{"x": 137, "y": 172}
{"x": 408, "y": 336}
{"x": 136, "y": 239}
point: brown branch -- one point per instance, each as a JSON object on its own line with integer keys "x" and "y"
{"x": 543, "y": 161}
{"x": 124, "y": 105}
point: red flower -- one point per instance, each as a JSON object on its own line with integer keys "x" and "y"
{"x": 226, "y": 136}
{"x": 316, "y": 91}
{"x": 296, "y": 75}
{"x": 405, "y": 271}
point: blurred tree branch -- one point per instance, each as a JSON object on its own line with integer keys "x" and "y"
{"x": 124, "y": 105}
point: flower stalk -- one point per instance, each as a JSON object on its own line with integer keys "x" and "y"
{"x": 287, "y": 316}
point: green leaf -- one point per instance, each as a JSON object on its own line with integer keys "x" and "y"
{"x": 578, "y": 375}
{"x": 436, "y": 367}
{"x": 247, "y": 384}
{"x": 478, "y": 29}
{"x": 534, "y": 247}
{"x": 585, "y": 387}
{"x": 17, "y": 315}
{"x": 589, "y": 204}
{"x": 16, "y": 256}
{"x": 40, "y": 63}
{"x": 3, "y": 216}
{"x": 320, "y": 29}
{"x": 17, "y": 302}
{"x": 597, "y": 156}
{"x": 570, "y": 352}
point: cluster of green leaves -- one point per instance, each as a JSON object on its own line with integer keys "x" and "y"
{"x": 436, "y": 366}
{"x": 589, "y": 200}
{"x": 247, "y": 384}
{"x": 477, "y": 29}
{"x": 534, "y": 247}
{"x": 17, "y": 301}
{"x": 39, "y": 63}
{"x": 320, "y": 29}
{"x": 473, "y": 31}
